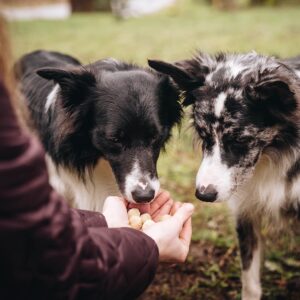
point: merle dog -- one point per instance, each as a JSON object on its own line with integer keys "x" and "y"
{"x": 245, "y": 109}
{"x": 102, "y": 125}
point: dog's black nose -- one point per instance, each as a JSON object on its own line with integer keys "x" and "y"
{"x": 141, "y": 195}
{"x": 207, "y": 194}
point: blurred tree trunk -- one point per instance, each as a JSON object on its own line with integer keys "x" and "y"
{"x": 82, "y": 5}
{"x": 120, "y": 8}
{"x": 223, "y": 4}
{"x": 266, "y": 2}
{"x": 257, "y": 2}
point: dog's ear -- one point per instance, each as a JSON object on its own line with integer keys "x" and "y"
{"x": 170, "y": 108}
{"x": 272, "y": 100}
{"x": 75, "y": 84}
{"x": 180, "y": 73}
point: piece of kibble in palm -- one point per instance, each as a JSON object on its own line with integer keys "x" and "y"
{"x": 145, "y": 217}
{"x": 135, "y": 222}
{"x": 133, "y": 212}
{"x": 147, "y": 224}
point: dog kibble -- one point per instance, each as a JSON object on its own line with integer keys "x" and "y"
{"x": 145, "y": 217}
{"x": 133, "y": 212}
{"x": 135, "y": 222}
{"x": 147, "y": 224}
{"x": 144, "y": 221}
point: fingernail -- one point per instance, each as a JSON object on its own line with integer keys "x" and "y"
{"x": 189, "y": 206}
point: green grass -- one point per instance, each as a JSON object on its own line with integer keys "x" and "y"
{"x": 175, "y": 34}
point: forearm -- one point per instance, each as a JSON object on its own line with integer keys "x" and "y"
{"x": 49, "y": 251}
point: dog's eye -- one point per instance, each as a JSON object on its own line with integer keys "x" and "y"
{"x": 114, "y": 139}
{"x": 245, "y": 140}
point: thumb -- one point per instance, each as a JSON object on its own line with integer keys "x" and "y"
{"x": 184, "y": 213}
{"x": 111, "y": 201}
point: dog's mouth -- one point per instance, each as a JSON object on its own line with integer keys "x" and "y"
{"x": 143, "y": 208}
{"x": 141, "y": 190}
{"x": 144, "y": 204}
{"x": 211, "y": 194}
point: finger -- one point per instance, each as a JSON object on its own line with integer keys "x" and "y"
{"x": 186, "y": 232}
{"x": 165, "y": 210}
{"x": 183, "y": 213}
{"x": 175, "y": 207}
{"x": 159, "y": 201}
{"x": 111, "y": 201}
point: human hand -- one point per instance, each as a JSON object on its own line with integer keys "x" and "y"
{"x": 173, "y": 236}
{"x": 115, "y": 209}
{"x": 162, "y": 205}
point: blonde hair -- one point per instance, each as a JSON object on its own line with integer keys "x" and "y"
{"x": 7, "y": 74}
{"x": 5, "y": 56}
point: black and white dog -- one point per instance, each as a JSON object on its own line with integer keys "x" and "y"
{"x": 102, "y": 125}
{"x": 246, "y": 112}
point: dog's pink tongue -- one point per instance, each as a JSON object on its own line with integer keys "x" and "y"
{"x": 143, "y": 208}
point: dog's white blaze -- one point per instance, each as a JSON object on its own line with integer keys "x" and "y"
{"x": 219, "y": 105}
{"x": 133, "y": 179}
{"x": 51, "y": 97}
{"x": 142, "y": 185}
{"x": 251, "y": 277}
{"x": 297, "y": 73}
{"x": 213, "y": 171}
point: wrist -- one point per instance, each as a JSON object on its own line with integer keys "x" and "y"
{"x": 115, "y": 223}
{"x": 158, "y": 242}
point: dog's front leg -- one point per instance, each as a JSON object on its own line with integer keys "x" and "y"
{"x": 251, "y": 247}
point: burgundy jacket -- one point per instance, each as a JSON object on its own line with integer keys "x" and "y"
{"x": 49, "y": 251}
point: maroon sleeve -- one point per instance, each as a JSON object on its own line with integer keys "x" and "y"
{"x": 47, "y": 250}
{"x": 90, "y": 218}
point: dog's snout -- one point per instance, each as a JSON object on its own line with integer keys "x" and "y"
{"x": 143, "y": 194}
{"x": 207, "y": 194}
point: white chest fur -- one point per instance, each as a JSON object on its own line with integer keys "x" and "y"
{"x": 267, "y": 192}
{"x": 89, "y": 194}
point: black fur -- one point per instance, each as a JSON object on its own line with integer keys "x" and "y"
{"x": 108, "y": 109}
{"x": 247, "y": 241}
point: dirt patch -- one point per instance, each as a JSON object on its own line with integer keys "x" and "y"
{"x": 213, "y": 273}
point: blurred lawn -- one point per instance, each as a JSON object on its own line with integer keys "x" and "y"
{"x": 174, "y": 34}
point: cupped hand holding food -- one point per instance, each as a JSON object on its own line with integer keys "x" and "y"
{"x": 172, "y": 234}
{"x": 115, "y": 209}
